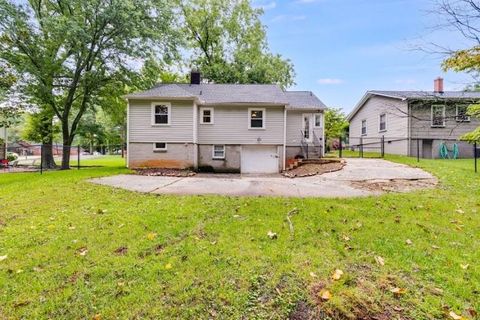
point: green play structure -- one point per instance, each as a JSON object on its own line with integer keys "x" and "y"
{"x": 445, "y": 153}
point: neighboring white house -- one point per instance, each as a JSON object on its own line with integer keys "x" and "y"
{"x": 248, "y": 128}
{"x": 407, "y": 119}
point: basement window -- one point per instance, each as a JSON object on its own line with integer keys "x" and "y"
{"x": 218, "y": 152}
{"x": 160, "y": 146}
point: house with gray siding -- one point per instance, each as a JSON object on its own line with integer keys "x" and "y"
{"x": 248, "y": 128}
{"x": 414, "y": 121}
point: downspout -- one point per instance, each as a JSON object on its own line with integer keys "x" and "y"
{"x": 128, "y": 134}
{"x": 284, "y": 156}
{"x": 195, "y": 135}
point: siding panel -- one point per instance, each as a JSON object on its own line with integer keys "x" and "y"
{"x": 180, "y": 129}
{"x": 231, "y": 127}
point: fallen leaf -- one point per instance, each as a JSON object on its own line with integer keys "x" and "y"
{"x": 82, "y": 251}
{"x": 435, "y": 247}
{"x": 398, "y": 291}
{"x": 3, "y": 257}
{"x": 168, "y": 266}
{"x": 313, "y": 275}
{"x": 71, "y": 228}
{"x": 324, "y": 294}
{"x": 97, "y": 317}
{"x": 272, "y": 235}
{"x": 101, "y": 211}
{"x": 460, "y": 211}
{"x": 455, "y": 316}
{"x": 337, "y": 274}
{"x": 346, "y": 238}
{"x": 151, "y": 235}
{"x": 464, "y": 266}
{"x": 409, "y": 242}
{"x": 380, "y": 260}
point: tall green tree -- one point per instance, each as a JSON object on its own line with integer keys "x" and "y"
{"x": 464, "y": 16}
{"x": 71, "y": 49}
{"x": 229, "y": 43}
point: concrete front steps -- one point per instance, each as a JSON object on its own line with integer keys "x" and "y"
{"x": 298, "y": 162}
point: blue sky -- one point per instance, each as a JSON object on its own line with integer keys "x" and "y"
{"x": 342, "y": 48}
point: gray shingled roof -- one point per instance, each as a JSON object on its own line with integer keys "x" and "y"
{"x": 211, "y": 94}
{"x": 428, "y": 94}
{"x": 304, "y": 100}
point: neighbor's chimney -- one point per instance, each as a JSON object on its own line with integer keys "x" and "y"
{"x": 195, "y": 76}
{"x": 438, "y": 85}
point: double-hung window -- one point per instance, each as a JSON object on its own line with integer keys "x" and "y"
{"x": 206, "y": 115}
{"x": 256, "y": 118}
{"x": 461, "y": 114}
{"x": 364, "y": 127}
{"x": 161, "y": 113}
{"x": 218, "y": 152}
{"x": 318, "y": 120}
{"x": 438, "y": 115}
{"x": 382, "y": 125}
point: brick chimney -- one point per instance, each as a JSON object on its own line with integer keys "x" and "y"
{"x": 438, "y": 85}
{"x": 195, "y": 76}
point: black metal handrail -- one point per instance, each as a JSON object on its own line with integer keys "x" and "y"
{"x": 317, "y": 143}
{"x": 304, "y": 144}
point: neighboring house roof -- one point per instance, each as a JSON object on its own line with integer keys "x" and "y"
{"x": 214, "y": 94}
{"x": 416, "y": 95}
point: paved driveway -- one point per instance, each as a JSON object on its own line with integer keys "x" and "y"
{"x": 360, "y": 177}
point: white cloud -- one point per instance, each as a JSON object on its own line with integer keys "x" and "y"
{"x": 265, "y": 5}
{"x": 329, "y": 81}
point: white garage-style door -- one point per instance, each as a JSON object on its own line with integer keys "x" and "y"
{"x": 259, "y": 159}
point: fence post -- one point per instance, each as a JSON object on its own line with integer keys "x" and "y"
{"x": 41, "y": 159}
{"x": 78, "y": 157}
{"x": 340, "y": 145}
{"x": 383, "y": 147}
{"x": 360, "y": 149}
{"x": 418, "y": 150}
{"x": 475, "y": 155}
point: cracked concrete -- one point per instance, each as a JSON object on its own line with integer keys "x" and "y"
{"x": 343, "y": 183}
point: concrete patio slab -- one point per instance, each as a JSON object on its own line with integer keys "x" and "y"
{"x": 343, "y": 183}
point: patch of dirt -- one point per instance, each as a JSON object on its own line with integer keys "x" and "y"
{"x": 302, "y": 311}
{"x": 394, "y": 185}
{"x": 121, "y": 251}
{"x": 311, "y": 169}
{"x": 165, "y": 172}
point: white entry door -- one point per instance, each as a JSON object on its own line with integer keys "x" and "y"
{"x": 259, "y": 159}
{"x": 307, "y": 126}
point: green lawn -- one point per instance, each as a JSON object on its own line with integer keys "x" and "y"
{"x": 77, "y": 250}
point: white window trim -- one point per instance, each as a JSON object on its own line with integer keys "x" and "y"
{"x": 456, "y": 113}
{"x": 315, "y": 120}
{"x": 169, "y": 107}
{"x": 212, "y": 121}
{"x": 361, "y": 127}
{"x": 160, "y": 149}
{"x": 431, "y": 116}
{"x": 264, "y": 118}
{"x": 213, "y": 152}
{"x": 379, "y": 122}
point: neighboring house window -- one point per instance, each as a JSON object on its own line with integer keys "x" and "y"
{"x": 461, "y": 114}
{"x": 160, "y": 146}
{"x": 438, "y": 115}
{"x": 206, "y": 115}
{"x": 161, "y": 113}
{"x": 364, "y": 127}
{"x": 218, "y": 152}
{"x": 256, "y": 118}
{"x": 318, "y": 120}
{"x": 382, "y": 122}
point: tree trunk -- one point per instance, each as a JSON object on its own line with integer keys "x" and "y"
{"x": 66, "y": 155}
{"x": 48, "y": 162}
